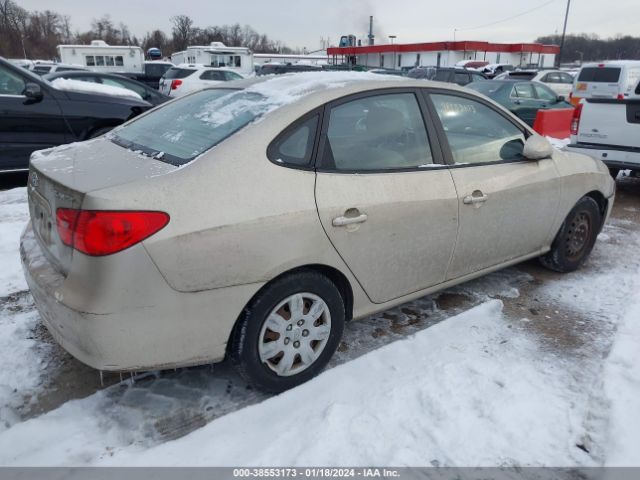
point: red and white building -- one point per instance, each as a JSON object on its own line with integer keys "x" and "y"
{"x": 444, "y": 54}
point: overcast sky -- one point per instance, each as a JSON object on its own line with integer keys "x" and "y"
{"x": 304, "y": 22}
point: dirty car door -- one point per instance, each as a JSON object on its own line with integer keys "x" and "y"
{"x": 507, "y": 203}
{"x": 389, "y": 211}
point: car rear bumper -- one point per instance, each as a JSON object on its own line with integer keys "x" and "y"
{"x": 616, "y": 157}
{"x": 179, "y": 329}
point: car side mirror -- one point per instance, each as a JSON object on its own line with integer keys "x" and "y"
{"x": 537, "y": 148}
{"x": 561, "y": 98}
{"x": 33, "y": 91}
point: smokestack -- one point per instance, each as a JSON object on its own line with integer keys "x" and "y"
{"x": 371, "y": 36}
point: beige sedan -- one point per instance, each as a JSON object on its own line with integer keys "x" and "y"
{"x": 250, "y": 222}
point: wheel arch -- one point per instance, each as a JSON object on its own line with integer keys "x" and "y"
{"x": 333, "y": 274}
{"x": 603, "y": 203}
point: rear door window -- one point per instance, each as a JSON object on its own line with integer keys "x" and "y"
{"x": 600, "y": 74}
{"x": 179, "y": 73}
{"x": 216, "y": 75}
{"x": 523, "y": 90}
{"x": 380, "y": 132}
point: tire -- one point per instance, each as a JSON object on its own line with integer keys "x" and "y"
{"x": 576, "y": 237}
{"x": 614, "y": 172}
{"x": 99, "y": 132}
{"x": 264, "y": 337}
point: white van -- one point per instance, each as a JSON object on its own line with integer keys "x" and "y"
{"x": 615, "y": 79}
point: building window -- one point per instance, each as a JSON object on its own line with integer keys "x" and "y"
{"x": 90, "y": 61}
{"x": 108, "y": 61}
{"x": 119, "y": 61}
{"x": 99, "y": 61}
{"x": 399, "y": 60}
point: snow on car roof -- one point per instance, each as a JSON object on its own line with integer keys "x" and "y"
{"x": 70, "y": 85}
{"x": 262, "y": 95}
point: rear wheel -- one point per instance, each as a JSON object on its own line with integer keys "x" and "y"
{"x": 288, "y": 333}
{"x": 576, "y": 237}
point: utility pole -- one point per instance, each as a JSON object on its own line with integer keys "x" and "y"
{"x": 564, "y": 32}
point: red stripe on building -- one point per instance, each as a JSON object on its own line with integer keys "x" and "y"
{"x": 467, "y": 46}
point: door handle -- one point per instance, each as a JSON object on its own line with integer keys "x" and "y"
{"x": 344, "y": 220}
{"x": 475, "y": 198}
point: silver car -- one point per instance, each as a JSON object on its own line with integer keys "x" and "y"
{"x": 249, "y": 222}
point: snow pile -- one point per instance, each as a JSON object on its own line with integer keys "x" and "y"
{"x": 437, "y": 398}
{"x": 71, "y": 85}
{"x": 622, "y": 387}
{"x": 14, "y": 214}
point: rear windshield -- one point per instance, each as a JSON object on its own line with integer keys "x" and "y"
{"x": 599, "y": 75}
{"x": 486, "y": 87}
{"x": 522, "y": 75}
{"x": 179, "y": 131}
{"x": 179, "y": 72}
{"x": 421, "y": 73}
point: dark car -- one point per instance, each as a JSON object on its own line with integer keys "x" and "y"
{"x": 154, "y": 97}
{"x": 460, "y": 76}
{"x": 153, "y": 72}
{"x": 524, "y": 99}
{"x": 35, "y": 115}
{"x": 278, "y": 69}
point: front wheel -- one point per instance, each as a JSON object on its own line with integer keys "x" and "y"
{"x": 576, "y": 237}
{"x": 288, "y": 333}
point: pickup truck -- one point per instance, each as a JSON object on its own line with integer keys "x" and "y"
{"x": 609, "y": 130}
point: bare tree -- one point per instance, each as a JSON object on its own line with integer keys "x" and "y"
{"x": 182, "y": 31}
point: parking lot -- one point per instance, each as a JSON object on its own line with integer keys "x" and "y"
{"x": 571, "y": 318}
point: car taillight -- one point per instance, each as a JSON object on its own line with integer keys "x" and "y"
{"x": 175, "y": 84}
{"x": 575, "y": 121}
{"x": 620, "y": 96}
{"x": 104, "y": 232}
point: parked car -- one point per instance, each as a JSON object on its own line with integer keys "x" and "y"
{"x": 153, "y": 72}
{"x": 523, "y": 99}
{"x": 280, "y": 68}
{"x": 183, "y": 79}
{"x": 36, "y": 115}
{"x": 558, "y": 81}
{"x": 615, "y": 79}
{"x": 154, "y": 97}
{"x": 609, "y": 130}
{"x": 494, "y": 69}
{"x": 42, "y": 68}
{"x": 459, "y": 76}
{"x": 347, "y": 197}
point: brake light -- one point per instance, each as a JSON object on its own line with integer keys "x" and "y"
{"x": 620, "y": 96}
{"x": 175, "y": 84}
{"x": 104, "y": 232}
{"x": 575, "y": 120}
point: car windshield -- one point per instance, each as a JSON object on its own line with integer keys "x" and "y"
{"x": 180, "y": 131}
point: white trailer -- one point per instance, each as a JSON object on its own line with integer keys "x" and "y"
{"x": 100, "y": 57}
{"x": 217, "y": 54}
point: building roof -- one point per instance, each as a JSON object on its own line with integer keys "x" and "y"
{"x": 467, "y": 46}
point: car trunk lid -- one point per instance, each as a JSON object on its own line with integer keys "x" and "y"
{"x": 62, "y": 176}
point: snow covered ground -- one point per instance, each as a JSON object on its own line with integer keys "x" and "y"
{"x": 523, "y": 377}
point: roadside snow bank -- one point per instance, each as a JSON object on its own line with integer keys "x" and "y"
{"x": 68, "y": 84}
{"x": 14, "y": 214}
{"x": 622, "y": 387}
{"x": 472, "y": 390}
